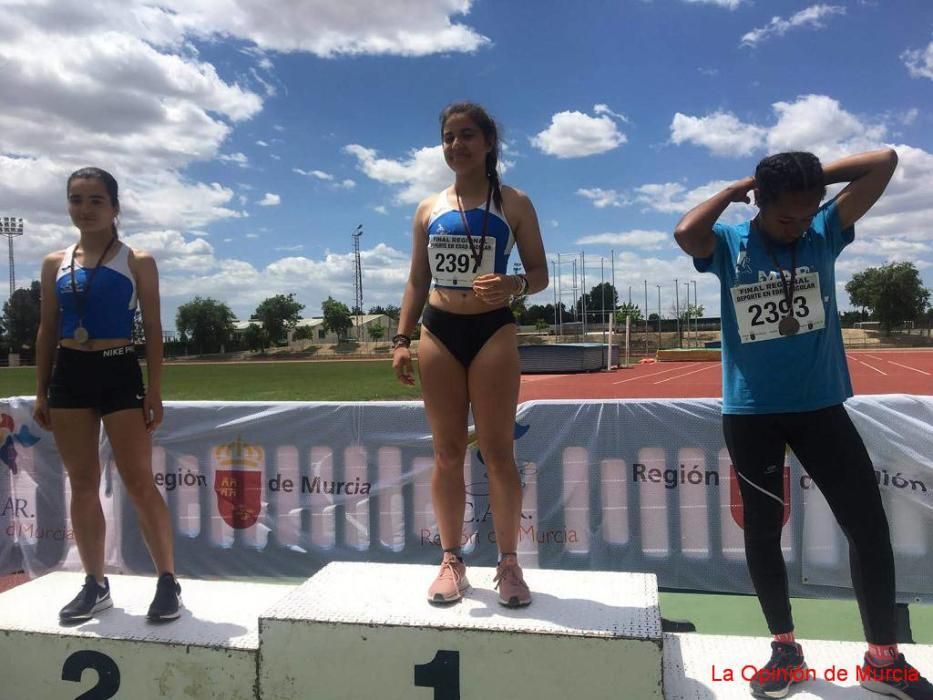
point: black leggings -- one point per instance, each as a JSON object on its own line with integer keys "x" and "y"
{"x": 833, "y": 454}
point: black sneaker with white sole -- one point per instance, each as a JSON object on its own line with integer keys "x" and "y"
{"x": 91, "y": 600}
{"x": 166, "y": 606}
{"x": 898, "y": 680}
{"x": 785, "y": 668}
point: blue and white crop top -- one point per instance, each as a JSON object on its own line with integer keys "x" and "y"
{"x": 449, "y": 255}
{"x": 110, "y": 306}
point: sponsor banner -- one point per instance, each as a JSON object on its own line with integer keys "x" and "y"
{"x": 279, "y": 489}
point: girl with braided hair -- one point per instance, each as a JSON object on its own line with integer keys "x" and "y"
{"x": 468, "y": 351}
{"x": 785, "y": 380}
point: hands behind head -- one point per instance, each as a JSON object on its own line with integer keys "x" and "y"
{"x": 741, "y": 188}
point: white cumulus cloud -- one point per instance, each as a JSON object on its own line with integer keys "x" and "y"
{"x": 576, "y": 135}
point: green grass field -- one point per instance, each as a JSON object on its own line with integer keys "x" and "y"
{"x": 259, "y": 381}
{"x": 813, "y": 619}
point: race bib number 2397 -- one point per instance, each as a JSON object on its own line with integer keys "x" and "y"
{"x": 452, "y": 262}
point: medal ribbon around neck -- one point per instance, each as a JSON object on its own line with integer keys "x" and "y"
{"x": 477, "y": 254}
{"x": 81, "y": 299}
{"x": 788, "y": 325}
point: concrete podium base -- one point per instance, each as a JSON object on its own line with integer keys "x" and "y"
{"x": 209, "y": 652}
{"x": 367, "y": 631}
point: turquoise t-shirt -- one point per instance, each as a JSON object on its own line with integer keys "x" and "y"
{"x": 763, "y": 370}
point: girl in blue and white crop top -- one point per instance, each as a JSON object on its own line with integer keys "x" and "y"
{"x": 453, "y": 265}
{"x": 109, "y": 303}
{"x": 86, "y": 326}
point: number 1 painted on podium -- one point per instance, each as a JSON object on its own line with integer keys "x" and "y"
{"x": 442, "y": 674}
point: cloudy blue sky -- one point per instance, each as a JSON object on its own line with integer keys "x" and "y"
{"x": 251, "y": 138}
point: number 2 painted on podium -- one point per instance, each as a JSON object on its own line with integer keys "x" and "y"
{"x": 108, "y": 674}
{"x": 442, "y": 674}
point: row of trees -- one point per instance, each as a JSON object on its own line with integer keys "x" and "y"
{"x": 892, "y": 294}
{"x": 207, "y": 324}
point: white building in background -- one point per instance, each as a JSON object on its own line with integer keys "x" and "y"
{"x": 359, "y": 331}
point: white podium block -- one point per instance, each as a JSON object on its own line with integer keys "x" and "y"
{"x": 361, "y": 631}
{"x": 209, "y": 652}
{"x": 704, "y": 667}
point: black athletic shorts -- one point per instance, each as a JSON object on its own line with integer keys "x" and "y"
{"x": 108, "y": 380}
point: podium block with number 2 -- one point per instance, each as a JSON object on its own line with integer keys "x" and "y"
{"x": 209, "y": 652}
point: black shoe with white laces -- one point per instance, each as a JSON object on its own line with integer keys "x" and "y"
{"x": 785, "y": 667}
{"x": 898, "y": 679}
{"x": 91, "y": 600}
{"x": 166, "y": 606}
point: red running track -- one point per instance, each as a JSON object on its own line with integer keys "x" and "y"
{"x": 873, "y": 372}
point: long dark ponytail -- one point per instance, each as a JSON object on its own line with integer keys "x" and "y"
{"x": 488, "y": 126}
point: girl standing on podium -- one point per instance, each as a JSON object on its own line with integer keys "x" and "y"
{"x": 468, "y": 351}
{"x": 785, "y": 381}
{"x": 89, "y": 297}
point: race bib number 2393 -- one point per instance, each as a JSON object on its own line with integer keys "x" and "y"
{"x": 759, "y": 307}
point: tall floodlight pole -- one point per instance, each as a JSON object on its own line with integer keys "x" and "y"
{"x": 11, "y": 227}
{"x": 358, "y": 281}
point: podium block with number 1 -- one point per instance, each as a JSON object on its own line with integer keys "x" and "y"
{"x": 359, "y": 631}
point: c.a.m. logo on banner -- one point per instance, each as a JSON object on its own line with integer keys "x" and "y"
{"x": 10, "y": 437}
{"x": 238, "y": 469}
{"x": 735, "y": 497}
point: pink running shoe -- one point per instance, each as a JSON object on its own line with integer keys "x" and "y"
{"x": 513, "y": 591}
{"x": 451, "y": 581}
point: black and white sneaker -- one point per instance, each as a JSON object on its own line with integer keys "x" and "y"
{"x": 166, "y": 606}
{"x": 899, "y": 680}
{"x": 785, "y": 668}
{"x": 91, "y": 600}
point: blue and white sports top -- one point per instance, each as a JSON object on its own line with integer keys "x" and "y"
{"x": 449, "y": 254}
{"x": 110, "y": 306}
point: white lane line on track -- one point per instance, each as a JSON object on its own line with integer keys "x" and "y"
{"x": 892, "y": 362}
{"x": 680, "y": 376}
{"x": 644, "y": 376}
